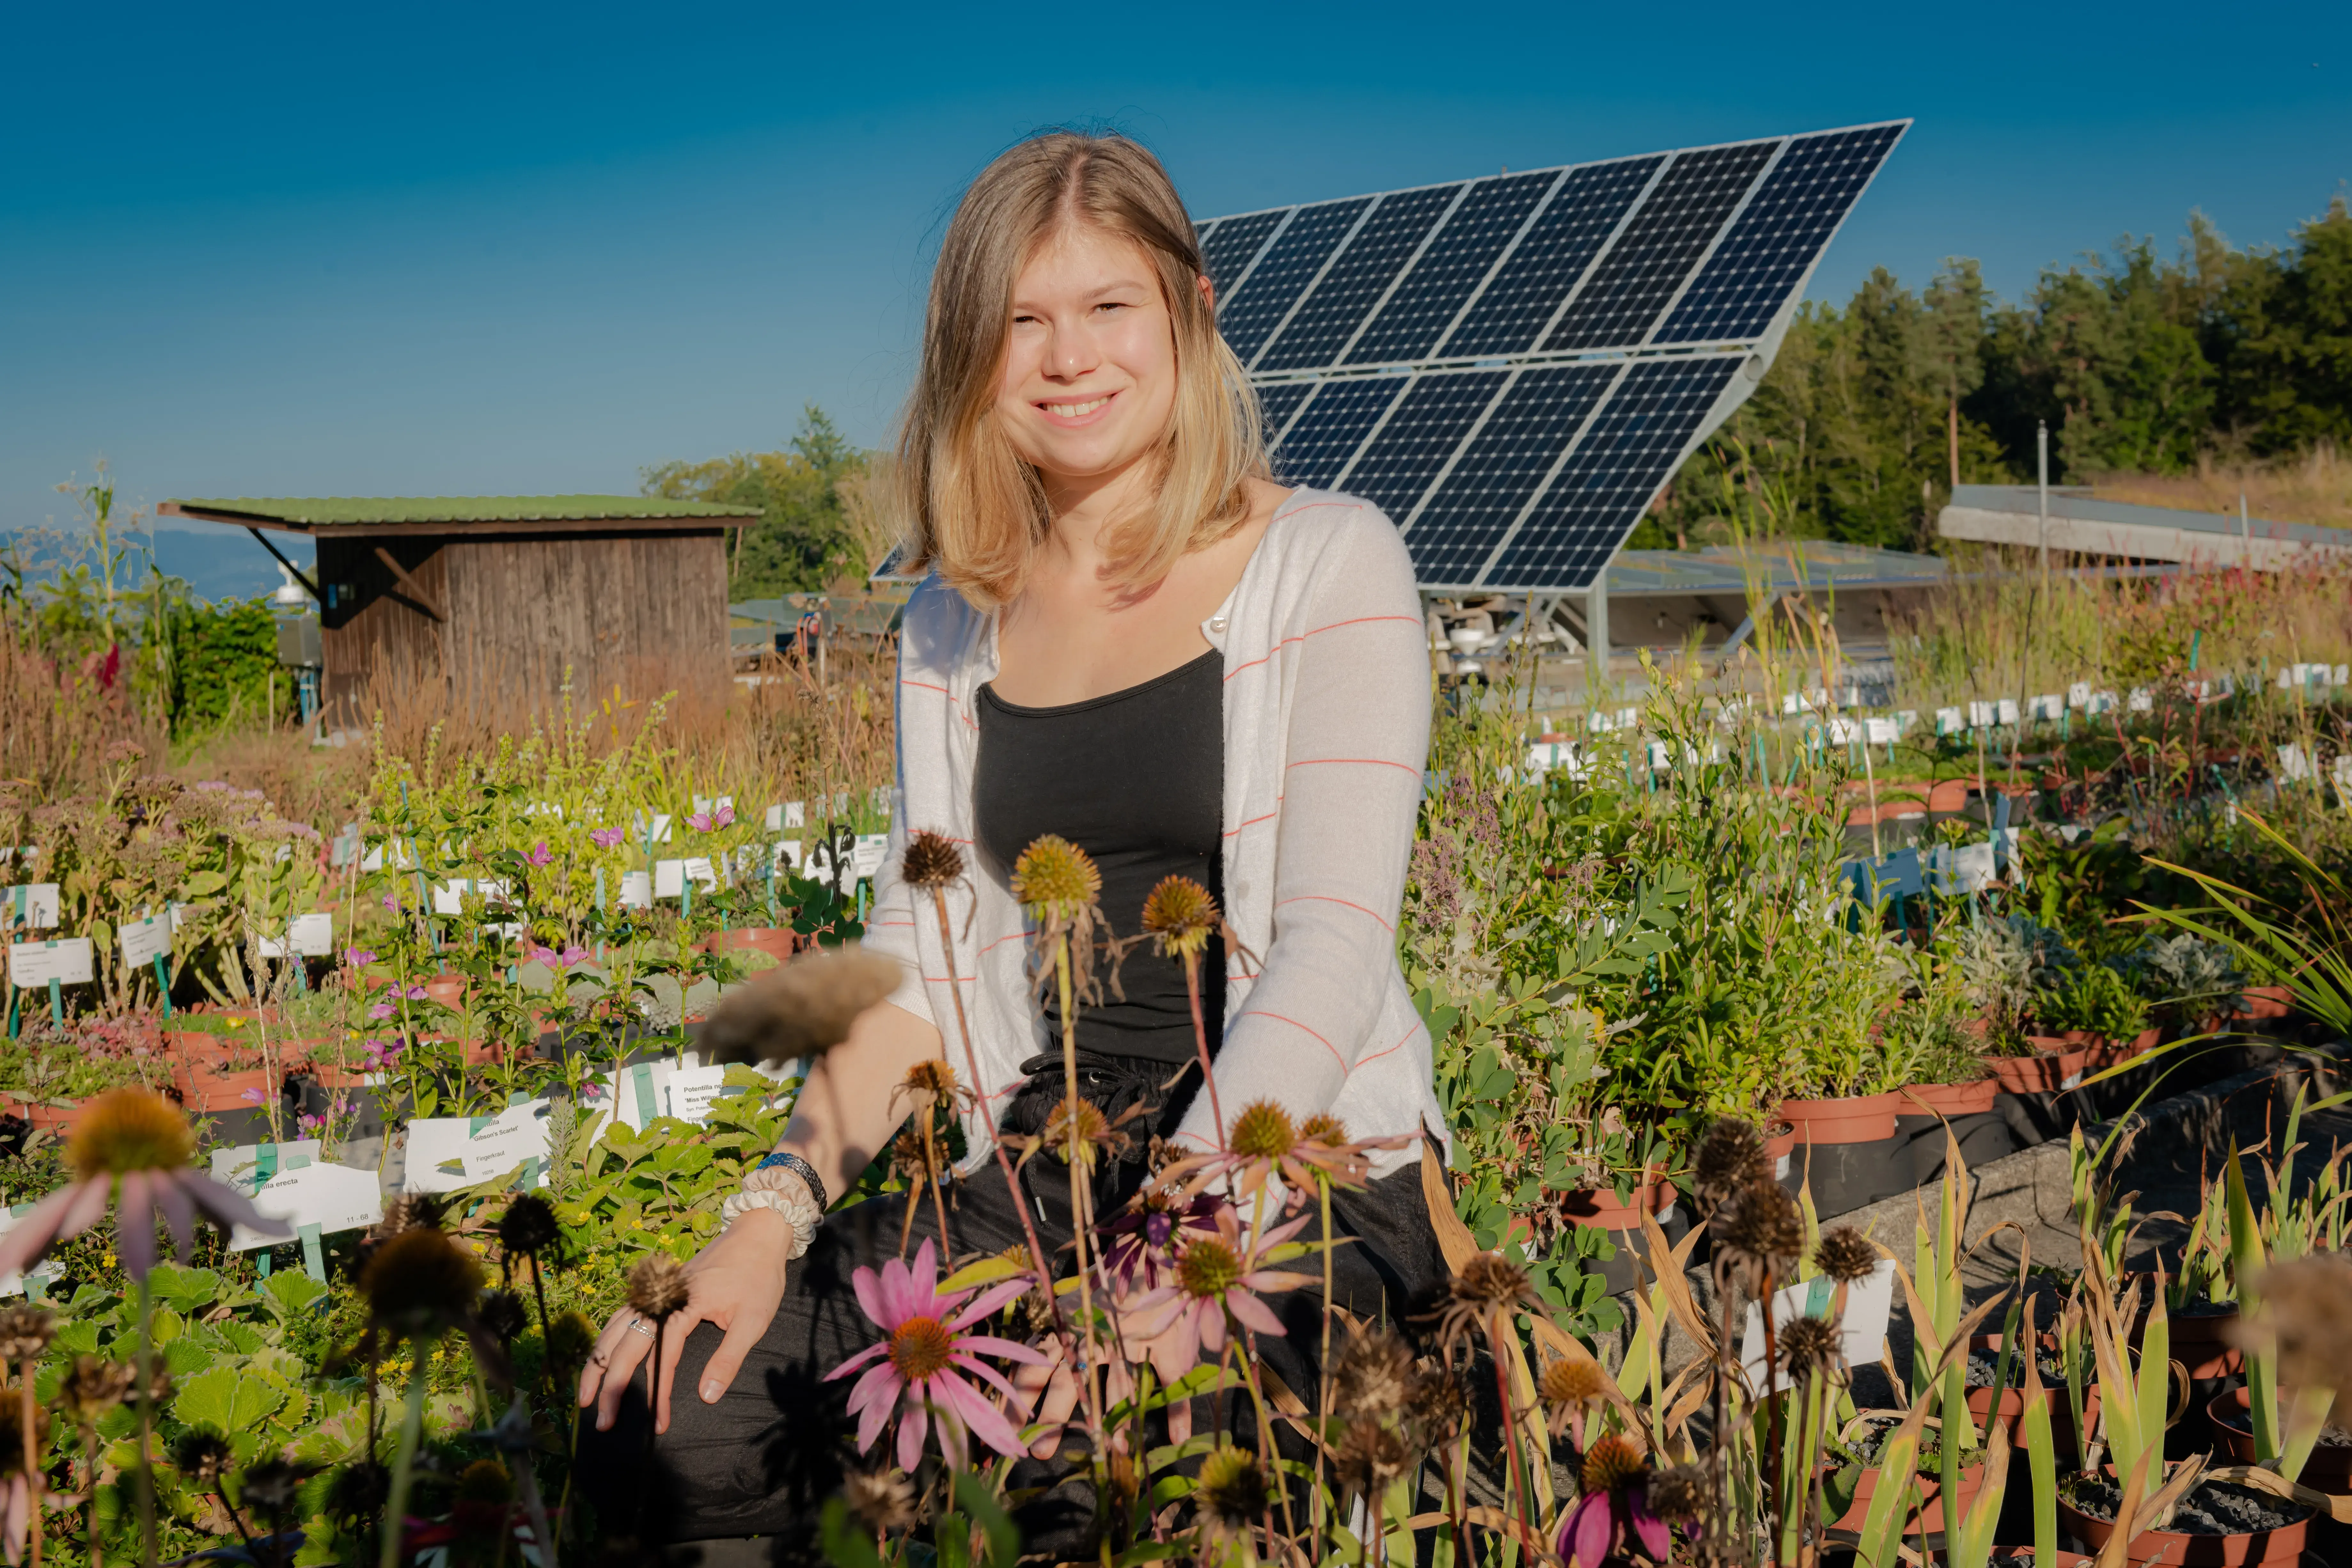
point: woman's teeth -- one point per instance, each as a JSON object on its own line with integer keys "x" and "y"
{"x": 1075, "y": 410}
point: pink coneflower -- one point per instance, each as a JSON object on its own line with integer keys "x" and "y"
{"x": 132, "y": 1136}
{"x": 1139, "y": 1246}
{"x": 604, "y": 838}
{"x": 918, "y": 1368}
{"x": 540, "y": 855}
{"x": 1614, "y": 1512}
{"x": 1214, "y": 1279}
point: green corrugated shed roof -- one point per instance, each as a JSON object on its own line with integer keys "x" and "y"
{"x": 328, "y": 510}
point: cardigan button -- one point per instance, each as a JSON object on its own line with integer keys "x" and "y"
{"x": 1216, "y": 623}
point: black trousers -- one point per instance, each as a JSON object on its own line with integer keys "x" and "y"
{"x": 763, "y": 1459}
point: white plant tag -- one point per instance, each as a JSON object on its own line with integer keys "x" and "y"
{"x": 31, "y": 906}
{"x": 690, "y": 1090}
{"x": 636, "y": 890}
{"x": 312, "y": 935}
{"x": 670, "y": 878}
{"x": 1868, "y": 1303}
{"x": 1950, "y": 721}
{"x": 69, "y": 961}
{"x": 144, "y": 941}
{"x": 445, "y": 1152}
{"x": 699, "y": 869}
{"x": 866, "y": 857}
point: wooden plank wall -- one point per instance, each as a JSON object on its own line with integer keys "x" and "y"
{"x": 645, "y": 613}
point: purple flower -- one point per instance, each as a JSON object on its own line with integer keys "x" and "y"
{"x": 919, "y": 1367}
{"x": 358, "y": 957}
{"x": 604, "y": 837}
{"x": 558, "y": 962}
{"x": 134, "y": 1146}
{"x": 313, "y": 1125}
{"x": 708, "y": 821}
{"x": 252, "y": 1097}
{"x": 392, "y": 902}
{"x": 1614, "y": 1512}
{"x": 416, "y": 993}
{"x": 381, "y": 1010}
{"x": 380, "y": 1055}
{"x": 540, "y": 855}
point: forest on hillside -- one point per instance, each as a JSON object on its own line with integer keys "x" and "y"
{"x": 2141, "y": 363}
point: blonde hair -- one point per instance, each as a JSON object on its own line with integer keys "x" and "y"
{"x": 973, "y": 509}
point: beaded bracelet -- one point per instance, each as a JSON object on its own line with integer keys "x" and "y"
{"x": 801, "y": 1168}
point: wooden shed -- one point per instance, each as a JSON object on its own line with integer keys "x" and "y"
{"x": 503, "y": 597}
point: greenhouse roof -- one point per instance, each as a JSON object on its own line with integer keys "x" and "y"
{"x": 461, "y": 513}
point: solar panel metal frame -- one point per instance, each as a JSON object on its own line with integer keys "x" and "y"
{"x": 1757, "y": 347}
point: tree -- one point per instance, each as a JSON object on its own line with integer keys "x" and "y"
{"x": 806, "y": 539}
{"x": 1956, "y": 332}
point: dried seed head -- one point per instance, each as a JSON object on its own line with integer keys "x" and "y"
{"x": 360, "y": 1490}
{"x": 1231, "y": 1491}
{"x": 1438, "y": 1409}
{"x": 1845, "y": 1255}
{"x": 1180, "y": 916}
{"x": 26, "y": 1331}
{"x": 420, "y": 1281}
{"x": 2305, "y": 1320}
{"x": 658, "y": 1287}
{"x": 1325, "y": 1129}
{"x": 932, "y": 860}
{"x": 1611, "y": 1464}
{"x": 529, "y": 1227}
{"x": 202, "y": 1456}
{"x": 412, "y": 1211}
{"x": 1567, "y": 1383}
{"x": 1370, "y": 1456}
{"x": 1056, "y": 879}
{"x": 882, "y": 1501}
{"x": 1730, "y": 1157}
{"x": 570, "y": 1339}
{"x": 1373, "y": 1375}
{"x": 1812, "y": 1345}
{"x": 128, "y": 1130}
{"x": 1678, "y": 1492}
{"x": 1264, "y": 1130}
{"x": 95, "y": 1386}
{"x": 12, "y": 1431}
{"x": 934, "y": 1081}
{"x": 803, "y": 1008}
{"x": 1489, "y": 1281}
{"x": 270, "y": 1485}
{"x": 502, "y": 1313}
{"x": 1759, "y": 1226}
{"x": 1094, "y": 1134}
{"x": 911, "y": 1158}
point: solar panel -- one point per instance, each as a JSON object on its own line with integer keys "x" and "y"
{"x": 1549, "y": 344}
{"x": 1316, "y": 450}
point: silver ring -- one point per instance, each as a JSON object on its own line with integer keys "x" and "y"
{"x": 639, "y": 1327}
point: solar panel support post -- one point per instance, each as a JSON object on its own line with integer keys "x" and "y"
{"x": 2041, "y": 489}
{"x": 1596, "y": 625}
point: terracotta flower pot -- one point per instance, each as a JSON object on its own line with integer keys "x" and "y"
{"x": 205, "y": 1091}
{"x": 1948, "y": 1099}
{"x": 1929, "y": 1516}
{"x": 1598, "y": 1208}
{"x": 1848, "y": 1119}
{"x": 2180, "y": 1549}
{"x": 2010, "y": 1405}
{"x": 2329, "y": 1468}
{"x": 2050, "y": 1068}
{"x": 448, "y": 990}
{"x": 2199, "y": 1342}
{"x": 777, "y": 941}
{"x": 2266, "y": 1002}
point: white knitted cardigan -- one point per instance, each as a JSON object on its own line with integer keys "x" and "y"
{"x": 1325, "y": 732}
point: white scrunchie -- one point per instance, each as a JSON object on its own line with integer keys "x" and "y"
{"x": 786, "y": 1192}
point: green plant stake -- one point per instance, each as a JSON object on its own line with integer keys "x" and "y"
{"x": 57, "y": 1002}
{"x": 163, "y": 984}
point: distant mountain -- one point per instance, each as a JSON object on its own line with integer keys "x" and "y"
{"x": 217, "y": 562}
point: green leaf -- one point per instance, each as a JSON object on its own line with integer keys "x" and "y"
{"x": 226, "y": 1402}
{"x": 292, "y": 1291}
{"x": 1003, "y": 1539}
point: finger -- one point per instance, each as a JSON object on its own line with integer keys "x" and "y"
{"x": 719, "y": 1372}
{"x": 600, "y": 1355}
{"x": 623, "y": 1368}
{"x": 673, "y": 1345}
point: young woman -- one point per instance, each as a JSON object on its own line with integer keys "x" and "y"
{"x": 1130, "y": 636}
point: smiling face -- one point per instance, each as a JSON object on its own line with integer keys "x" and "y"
{"x": 1089, "y": 375}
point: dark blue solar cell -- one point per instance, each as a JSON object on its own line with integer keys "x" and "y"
{"x": 1230, "y": 244}
{"x": 1667, "y": 235}
{"x": 1358, "y": 277}
{"x": 1277, "y": 403}
{"x": 1630, "y": 448}
{"x": 1775, "y": 241}
{"x": 1466, "y": 516}
{"x": 1316, "y": 448}
{"x": 1544, "y": 266}
{"x": 1400, "y": 461}
{"x": 1259, "y": 301}
{"x": 1457, "y": 261}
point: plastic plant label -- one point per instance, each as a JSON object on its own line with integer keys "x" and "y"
{"x": 657, "y": 834}
{"x": 1881, "y": 731}
{"x": 2142, "y": 699}
{"x": 1982, "y": 715}
{"x": 69, "y": 961}
{"x": 14, "y": 1284}
{"x": 247, "y": 1166}
{"x": 636, "y": 890}
{"x": 144, "y": 941}
{"x": 708, "y": 803}
{"x": 690, "y": 1090}
{"x": 1950, "y": 721}
{"x": 1844, "y": 731}
{"x": 2052, "y": 707}
{"x": 310, "y": 935}
{"x": 795, "y": 814}
{"x": 788, "y": 853}
{"x": 446, "y": 1153}
{"x": 30, "y": 906}
{"x": 1863, "y": 1330}
{"x": 2071, "y": 1081}
{"x": 2078, "y": 694}
{"x": 701, "y": 870}
{"x": 670, "y": 878}
{"x": 866, "y": 857}
{"x": 2007, "y": 708}
{"x": 450, "y": 897}
{"x": 1781, "y": 1167}
{"x": 332, "y": 1197}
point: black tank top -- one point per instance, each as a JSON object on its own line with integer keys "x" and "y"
{"x": 1137, "y": 780}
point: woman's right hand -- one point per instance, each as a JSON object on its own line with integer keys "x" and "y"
{"x": 736, "y": 1283}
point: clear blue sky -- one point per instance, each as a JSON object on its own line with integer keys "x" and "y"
{"x": 449, "y": 249}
